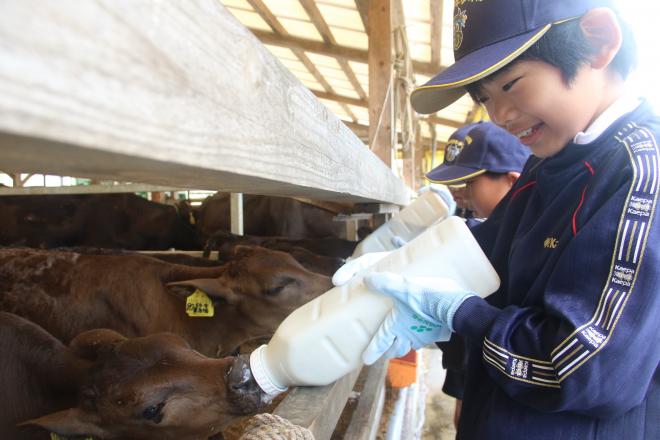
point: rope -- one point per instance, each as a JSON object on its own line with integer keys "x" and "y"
{"x": 272, "y": 427}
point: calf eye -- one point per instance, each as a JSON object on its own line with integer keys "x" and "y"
{"x": 153, "y": 412}
{"x": 279, "y": 287}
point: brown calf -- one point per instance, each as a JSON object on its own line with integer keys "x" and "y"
{"x": 67, "y": 293}
{"x": 107, "y": 386}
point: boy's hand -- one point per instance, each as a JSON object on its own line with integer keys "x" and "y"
{"x": 444, "y": 194}
{"x": 423, "y": 312}
{"x": 345, "y": 273}
{"x": 401, "y": 331}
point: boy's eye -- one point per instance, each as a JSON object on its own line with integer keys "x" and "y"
{"x": 482, "y": 99}
{"x": 506, "y": 87}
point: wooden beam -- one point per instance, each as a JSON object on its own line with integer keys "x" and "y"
{"x": 339, "y": 52}
{"x": 172, "y": 93}
{"x": 439, "y": 120}
{"x": 363, "y": 8}
{"x": 317, "y": 408}
{"x": 437, "y": 8}
{"x": 85, "y": 189}
{"x": 341, "y": 99}
{"x": 380, "y": 80}
{"x": 366, "y": 418}
{"x": 361, "y": 131}
{"x": 270, "y": 18}
{"x": 361, "y": 103}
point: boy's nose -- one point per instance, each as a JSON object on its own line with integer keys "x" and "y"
{"x": 501, "y": 112}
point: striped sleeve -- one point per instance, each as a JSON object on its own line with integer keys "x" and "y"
{"x": 593, "y": 348}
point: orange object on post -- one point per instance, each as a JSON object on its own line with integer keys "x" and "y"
{"x": 402, "y": 372}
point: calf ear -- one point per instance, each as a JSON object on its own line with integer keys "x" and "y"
{"x": 71, "y": 422}
{"x": 211, "y": 286}
{"x": 90, "y": 344}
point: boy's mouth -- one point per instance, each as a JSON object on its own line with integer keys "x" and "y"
{"x": 527, "y": 135}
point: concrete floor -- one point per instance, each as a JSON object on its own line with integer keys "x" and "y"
{"x": 439, "y": 412}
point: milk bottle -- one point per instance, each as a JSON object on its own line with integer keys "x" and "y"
{"x": 407, "y": 224}
{"x": 324, "y": 339}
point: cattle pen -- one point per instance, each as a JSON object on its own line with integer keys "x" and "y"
{"x": 173, "y": 94}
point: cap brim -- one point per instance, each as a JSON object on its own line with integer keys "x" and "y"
{"x": 452, "y": 174}
{"x": 447, "y": 86}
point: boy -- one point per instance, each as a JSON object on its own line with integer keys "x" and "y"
{"x": 567, "y": 348}
{"x": 488, "y": 161}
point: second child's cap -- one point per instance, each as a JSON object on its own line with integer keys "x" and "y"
{"x": 488, "y": 34}
{"x": 486, "y": 147}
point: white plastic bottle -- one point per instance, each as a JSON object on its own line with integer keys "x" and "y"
{"x": 427, "y": 209}
{"x": 324, "y": 339}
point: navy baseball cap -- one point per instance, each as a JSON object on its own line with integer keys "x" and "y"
{"x": 486, "y": 147}
{"x": 488, "y": 34}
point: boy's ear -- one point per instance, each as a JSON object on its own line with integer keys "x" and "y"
{"x": 601, "y": 28}
{"x": 512, "y": 176}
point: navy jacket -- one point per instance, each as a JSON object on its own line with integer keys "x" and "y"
{"x": 568, "y": 347}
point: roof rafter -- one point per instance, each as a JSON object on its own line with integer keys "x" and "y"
{"x": 339, "y": 52}
{"x": 319, "y": 22}
{"x": 277, "y": 27}
{"x": 363, "y": 103}
{"x": 437, "y": 7}
{"x": 362, "y": 7}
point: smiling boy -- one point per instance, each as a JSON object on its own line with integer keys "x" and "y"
{"x": 567, "y": 348}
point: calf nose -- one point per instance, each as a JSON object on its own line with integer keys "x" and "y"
{"x": 243, "y": 390}
{"x": 239, "y": 375}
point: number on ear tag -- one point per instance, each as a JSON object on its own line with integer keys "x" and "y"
{"x": 199, "y": 305}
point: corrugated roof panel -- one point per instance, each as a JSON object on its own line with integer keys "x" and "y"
{"x": 361, "y": 71}
{"x": 282, "y": 52}
{"x": 323, "y": 61}
{"x": 303, "y": 74}
{"x": 418, "y": 10}
{"x": 312, "y": 84}
{"x": 334, "y": 76}
{"x": 443, "y": 132}
{"x": 294, "y": 65}
{"x": 421, "y": 52}
{"x": 360, "y": 68}
{"x": 341, "y": 17}
{"x": 286, "y": 9}
{"x": 242, "y": 4}
{"x": 336, "y": 108}
{"x": 250, "y": 19}
{"x": 418, "y": 32}
{"x": 421, "y": 79}
{"x": 348, "y": 4}
{"x": 350, "y": 38}
{"x": 447, "y": 49}
{"x": 300, "y": 28}
{"x": 361, "y": 113}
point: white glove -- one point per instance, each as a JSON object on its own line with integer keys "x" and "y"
{"x": 345, "y": 273}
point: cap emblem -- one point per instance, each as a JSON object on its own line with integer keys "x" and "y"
{"x": 453, "y": 150}
{"x": 460, "y": 18}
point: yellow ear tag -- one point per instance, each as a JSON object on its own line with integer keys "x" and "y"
{"x": 199, "y": 305}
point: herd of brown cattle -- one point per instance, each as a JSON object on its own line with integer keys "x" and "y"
{"x": 95, "y": 337}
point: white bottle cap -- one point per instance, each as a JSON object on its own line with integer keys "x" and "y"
{"x": 260, "y": 373}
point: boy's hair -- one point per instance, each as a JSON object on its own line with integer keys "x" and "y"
{"x": 566, "y": 47}
{"x": 492, "y": 175}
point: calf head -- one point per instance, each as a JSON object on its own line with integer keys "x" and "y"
{"x": 152, "y": 387}
{"x": 260, "y": 287}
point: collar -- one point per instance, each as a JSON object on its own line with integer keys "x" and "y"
{"x": 624, "y": 104}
